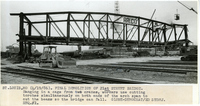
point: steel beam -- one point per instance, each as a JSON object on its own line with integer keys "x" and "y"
{"x": 29, "y": 43}
{"x": 164, "y": 33}
{"x": 175, "y": 34}
{"x": 186, "y": 35}
{"x": 68, "y": 28}
{"x": 138, "y": 31}
{"x": 21, "y": 33}
{"x": 124, "y": 34}
{"x": 99, "y": 31}
{"x": 97, "y": 13}
{"x": 107, "y": 27}
{"x": 88, "y": 28}
{"x": 152, "y": 27}
{"x": 47, "y": 26}
{"x": 139, "y": 26}
{"x": 113, "y": 31}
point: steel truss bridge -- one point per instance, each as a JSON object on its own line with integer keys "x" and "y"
{"x": 96, "y": 29}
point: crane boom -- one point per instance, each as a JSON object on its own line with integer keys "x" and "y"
{"x": 188, "y": 7}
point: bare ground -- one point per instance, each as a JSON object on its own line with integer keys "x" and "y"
{"x": 153, "y": 77}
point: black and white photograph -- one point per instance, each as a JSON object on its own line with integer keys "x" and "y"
{"x": 112, "y": 42}
{"x": 95, "y": 42}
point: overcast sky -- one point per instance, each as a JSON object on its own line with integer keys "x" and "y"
{"x": 165, "y": 11}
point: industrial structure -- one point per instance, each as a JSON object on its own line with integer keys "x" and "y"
{"x": 97, "y": 29}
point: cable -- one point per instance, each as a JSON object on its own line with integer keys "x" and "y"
{"x": 188, "y": 7}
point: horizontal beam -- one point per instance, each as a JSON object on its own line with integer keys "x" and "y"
{"x": 39, "y": 22}
{"x": 62, "y": 40}
{"x": 92, "y": 13}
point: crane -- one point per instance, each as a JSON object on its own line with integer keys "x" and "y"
{"x": 192, "y": 9}
{"x": 189, "y": 53}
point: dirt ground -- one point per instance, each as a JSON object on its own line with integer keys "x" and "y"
{"x": 152, "y": 77}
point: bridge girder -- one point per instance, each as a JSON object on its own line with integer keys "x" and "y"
{"x": 97, "y": 28}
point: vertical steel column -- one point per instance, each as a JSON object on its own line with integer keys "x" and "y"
{"x": 138, "y": 31}
{"x": 99, "y": 29}
{"x": 149, "y": 37}
{"x": 113, "y": 31}
{"x": 47, "y": 18}
{"x": 88, "y": 28}
{"x": 157, "y": 32}
{"x": 21, "y": 32}
{"x": 107, "y": 27}
{"x": 164, "y": 34}
{"x": 175, "y": 34}
{"x": 186, "y": 35}
{"x": 165, "y": 39}
{"x": 25, "y": 46}
{"x": 29, "y": 43}
{"x": 84, "y": 28}
{"x": 124, "y": 34}
{"x": 49, "y": 28}
{"x": 68, "y": 28}
{"x": 152, "y": 38}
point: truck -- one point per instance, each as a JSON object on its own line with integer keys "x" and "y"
{"x": 189, "y": 53}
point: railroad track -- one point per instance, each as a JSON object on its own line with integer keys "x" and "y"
{"x": 40, "y": 74}
{"x": 159, "y": 65}
{"x": 154, "y": 66}
{"x": 67, "y": 77}
{"x": 175, "y": 62}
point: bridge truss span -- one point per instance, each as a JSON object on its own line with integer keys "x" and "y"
{"x": 98, "y": 29}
